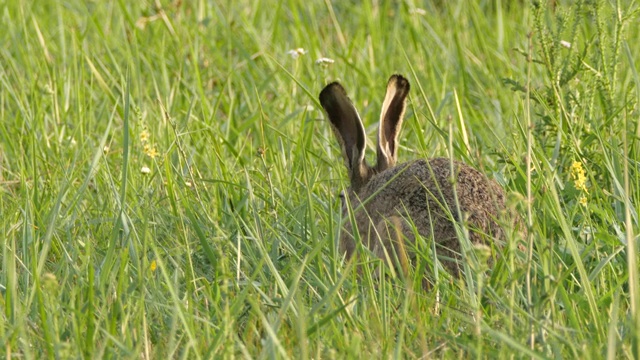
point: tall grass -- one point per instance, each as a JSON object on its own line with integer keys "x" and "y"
{"x": 168, "y": 185}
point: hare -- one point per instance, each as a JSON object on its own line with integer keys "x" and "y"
{"x": 390, "y": 202}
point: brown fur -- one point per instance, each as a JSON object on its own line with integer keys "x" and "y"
{"x": 423, "y": 192}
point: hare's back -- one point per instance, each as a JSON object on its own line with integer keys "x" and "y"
{"x": 472, "y": 187}
{"x": 414, "y": 184}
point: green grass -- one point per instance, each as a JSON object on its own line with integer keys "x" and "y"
{"x": 227, "y": 246}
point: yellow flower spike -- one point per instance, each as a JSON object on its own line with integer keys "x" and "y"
{"x": 578, "y": 176}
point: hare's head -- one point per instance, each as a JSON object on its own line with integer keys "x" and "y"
{"x": 349, "y": 131}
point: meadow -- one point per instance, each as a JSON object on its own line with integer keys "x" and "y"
{"x": 169, "y": 183}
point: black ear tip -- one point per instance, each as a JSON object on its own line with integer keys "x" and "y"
{"x": 401, "y": 81}
{"x": 327, "y": 93}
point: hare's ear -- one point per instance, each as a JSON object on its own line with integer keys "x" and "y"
{"x": 347, "y": 127}
{"x": 391, "y": 121}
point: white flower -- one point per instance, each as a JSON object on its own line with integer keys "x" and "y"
{"x": 324, "y": 61}
{"x": 295, "y": 53}
{"x": 565, "y": 44}
{"x": 145, "y": 170}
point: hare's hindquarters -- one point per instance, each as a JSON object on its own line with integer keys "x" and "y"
{"x": 426, "y": 198}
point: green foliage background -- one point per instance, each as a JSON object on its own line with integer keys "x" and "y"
{"x": 168, "y": 185}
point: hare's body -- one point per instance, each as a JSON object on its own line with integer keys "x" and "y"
{"x": 434, "y": 198}
{"x": 420, "y": 195}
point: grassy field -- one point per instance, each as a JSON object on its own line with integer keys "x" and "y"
{"x": 169, "y": 185}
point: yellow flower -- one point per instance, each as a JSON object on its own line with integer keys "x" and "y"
{"x": 153, "y": 266}
{"x": 151, "y": 152}
{"x": 144, "y": 136}
{"x": 583, "y": 200}
{"x": 578, "y": 176}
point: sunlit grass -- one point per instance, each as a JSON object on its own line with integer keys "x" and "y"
{"x": 169, "y": 186}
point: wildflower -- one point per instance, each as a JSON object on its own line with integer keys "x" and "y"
{"x": 153, "y": 266}
{"x": 151, "y": 151}
{"x": 295, "y": 53}
{"x": 144, "y": 136}
{"x": 105, "y": 149}
{"x": 148, "y": 148}
{"x": 48, "y": 89}
{"x": 142, "y": 22}
{"x": 145, "y": 170}
{"x": 578, "y": 176}
{"x": 324, "y": 61}
{"x": 583, "y": 200}
{"x": 565, "y": 44}
{"x": 579, "y": 181}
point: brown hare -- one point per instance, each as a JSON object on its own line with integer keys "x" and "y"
{"x": 436, "y": 197}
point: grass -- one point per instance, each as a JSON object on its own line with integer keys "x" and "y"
{"x": 168, "y": 185}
